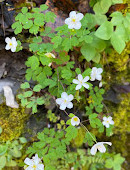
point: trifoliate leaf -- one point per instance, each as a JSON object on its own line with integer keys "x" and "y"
{"x": 24, "y": 10}
{"x": 88, "y": 52}
{"x": 117, "y": 42}
{"x": 105, "y": 31}
{"x": 25, "y": 85}
{"x": 37, "y": 88}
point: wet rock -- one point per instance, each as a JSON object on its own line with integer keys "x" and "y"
{"x": 10, "y": 99}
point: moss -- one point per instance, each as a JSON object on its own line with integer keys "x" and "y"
{"x": 12, "y": 122}
{"x": 121, "y": 124}
{"x": 78, "y": 141}
{"x": 116, "y": 67}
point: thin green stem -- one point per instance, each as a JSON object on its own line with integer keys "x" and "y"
{"x": 88, "y": 132}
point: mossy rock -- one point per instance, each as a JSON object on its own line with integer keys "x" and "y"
{"x": 12, "y": 122}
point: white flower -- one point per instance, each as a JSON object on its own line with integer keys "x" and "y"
{"x": 11, "y": 44}
{"x": 75, "y": 121}
{"x": 74, "y": 20}
{"x": 50, "y": 55}
{"x": 34, "y": 163}
{"x": 107, "y": 121}
{"x": 100, "y": 84}
{"x": 81, "y": 82}
{"x": 100, "y": 147}
{"x": 96, "y": 74}
{"x": 65, "y": 101}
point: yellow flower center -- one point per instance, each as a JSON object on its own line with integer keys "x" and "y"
{"x": 73, "y": 20}
{"x": 34, "y": 166}
{"x": 75, "y": 119}
{"x": 65, "y": 101}
{"x": 10, "y": 44}
{"x": 107, "y": 121}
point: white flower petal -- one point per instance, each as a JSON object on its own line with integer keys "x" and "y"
{"x": 80, "y": 77}
{"x": 64, "y": 95}
{"x": 75, "y": 81}
{"x": 63, "y": 106}
{"x": 40, "y": 167}
{"x": 94, "y": 69}
{"x": 79, "y": 16}
{"x": 107, "y": 125}
{"x": 108, "y": 143}
{"x": 102, "y": 148}
{"x": 105, "y": 118}
{"x": 99, "y": 70}
{"x": 36, "y": 159}
{"x": 86, "y": 85}
{"x": 71, "y": 26}
{"x": 75, "y": 121}
{"x": 72, "y": 14}
{"x": 59, "y": 101}
{"x": 7, "y": 40}
{"x": 98, "y": 77}
{"x": 112, "y": 122}
{"x": 67, "y": 21}
{"x": 109, "y": 118}
{"x": 13, "y": 48}
{"x": 29, "y": 168}
{"x": 70, "y": 97}
{"x": 69, "y": 105}
{"x": 7, "y": 47}
{"x": 93, "y": 150}
{"x": 28, "y": 161}
{"x": 100, "y": 84}
{"x": 78, "y": 87}
{"x": 86, "y": 79}
{"x": 14, "y": 42}
{"x": 77, "y": 25}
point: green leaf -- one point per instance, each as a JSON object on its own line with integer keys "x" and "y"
{"x": 38, "y": 21}
{"x": 40, "y": 101}
{"x": 15, "y": 152}
{"x": 34, "y": 108}
{"x": 28, "y": 94}
{"x": 57, "y": 41}
{"x": 117, "y": 42}
{"x": 50, "y": 17}
{"x": 3, "y": 149}
{"x": 45, "y": 60}
{"x": 71, "y": 132}
{"x": 100, "y": 18}
{"x": 66, "y": 74}
{"x": 117, "y": 18}
{"x": 34, "y": 29}
{"x": 2, "y": 162}
{"x": 28, "y": 24}
{"x": 71, "y": 115}
{"x": 25, "y": 85}
{"x": 89, "y": 138}
{"x": 24, "y": 10}
{"x": 97, "y": 57}
{"x": 37, "y": 88}
{"x": 43, "y": 7}
{"x": 88, "y": 52}
{"x": 0, "y": 130}
{"x": 23, "y": 140}
{"x": 33, "y": 62}
{"x": 18, "y": 27}
{"x": 105, "y": 31}
{"x": 117, "y": 1}
{"x": 115, "y": 162}
{"x": 66, "y": 44}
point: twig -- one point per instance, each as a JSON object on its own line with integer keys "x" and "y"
{"x": 2, "y": 20}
